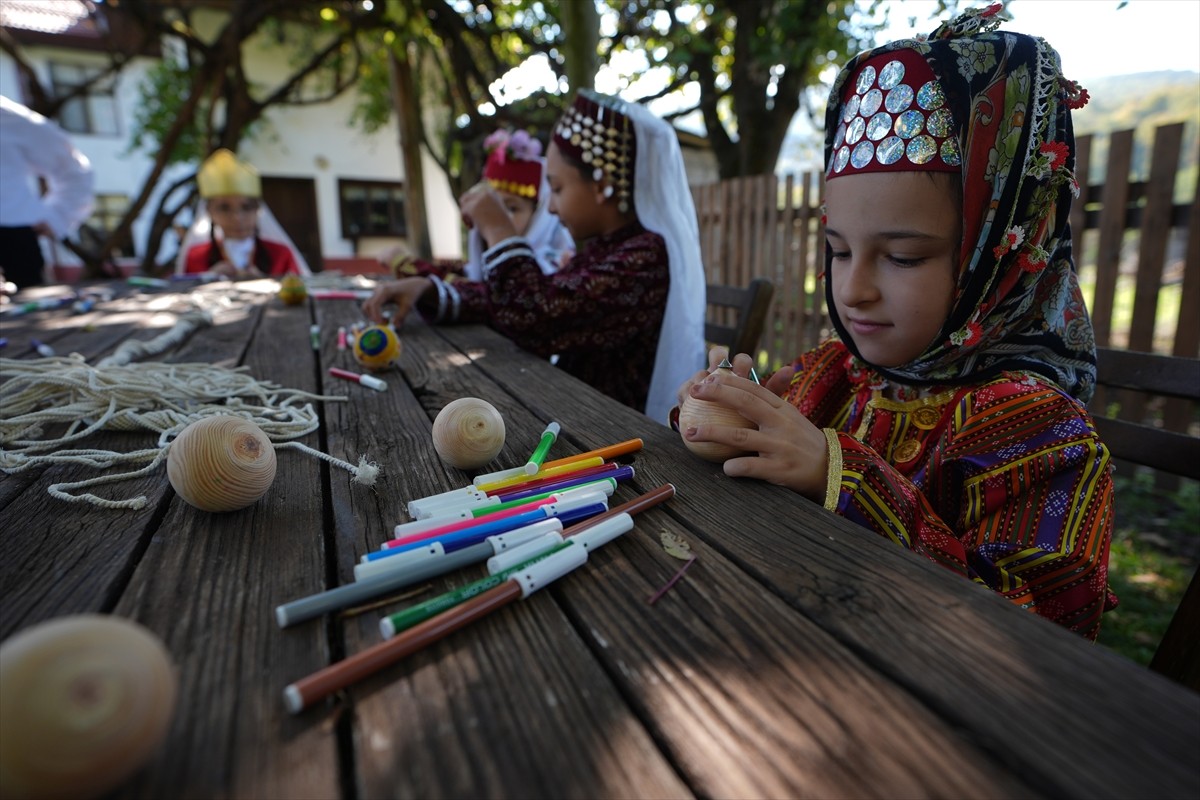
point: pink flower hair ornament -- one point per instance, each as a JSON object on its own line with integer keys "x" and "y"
{"x": 502, "y": 143}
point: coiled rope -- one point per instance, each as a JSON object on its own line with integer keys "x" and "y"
{"x": 40, "y": 394}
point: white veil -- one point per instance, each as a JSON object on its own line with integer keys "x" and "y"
{"x": 199, "y": 232}
{"x": 663, "y": 202}
{"x": 547, "y": 236}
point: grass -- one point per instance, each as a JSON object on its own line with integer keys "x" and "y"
{"x": 1155, "y": 552}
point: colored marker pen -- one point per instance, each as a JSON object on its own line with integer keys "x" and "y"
{"x": 370, "y": 381}
{"x": 341, "y": 345}
{"x": 138, "y": 280}
{"x": 314, "y": 335}
{"x": 44, "y": 350}
{"x": 544, "y": 472}
{"x": 539, "y": 454}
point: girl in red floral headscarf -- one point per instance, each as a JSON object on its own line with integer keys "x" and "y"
{"x": 948, "y": 412}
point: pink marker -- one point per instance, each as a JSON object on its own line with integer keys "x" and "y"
{"x": 340, "y": 294}
{"x": 370, "y": 381}
{"x": 341, "y": 338}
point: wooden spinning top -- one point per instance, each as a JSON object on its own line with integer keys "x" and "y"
{"x": 705, "y": 412}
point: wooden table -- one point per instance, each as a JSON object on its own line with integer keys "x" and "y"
{"x": 800, "y": 656}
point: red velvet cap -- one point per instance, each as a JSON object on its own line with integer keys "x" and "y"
{"x": 507, "y": 173}
{"x": 596, "y": 132}
{"x": 894, "y": 118}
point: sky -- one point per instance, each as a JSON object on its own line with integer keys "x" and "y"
{"x": 1094, "y": 38}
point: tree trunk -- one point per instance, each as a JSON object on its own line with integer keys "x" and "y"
{"x": 408, "y": 110}
{"x": 581, "y": 34}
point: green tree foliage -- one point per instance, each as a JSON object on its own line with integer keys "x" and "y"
{"x": 751, "y": 60}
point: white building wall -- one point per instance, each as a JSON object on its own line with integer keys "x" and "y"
{"x": 300, "y": 142}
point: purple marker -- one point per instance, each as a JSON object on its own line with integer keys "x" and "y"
{"x": 619, "y": 474}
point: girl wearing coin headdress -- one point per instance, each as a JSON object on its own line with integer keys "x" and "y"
{"x": 243, "y": 239}
{"x": 626, "y": 313}
{"x": 948, "y": 412}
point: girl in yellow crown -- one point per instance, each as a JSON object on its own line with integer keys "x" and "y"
{"x": 232, "y": 192}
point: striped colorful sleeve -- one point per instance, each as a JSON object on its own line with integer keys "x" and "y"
{"x": 1017, "y": 496}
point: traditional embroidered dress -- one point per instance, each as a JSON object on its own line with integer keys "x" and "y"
{"x": 1004, "y": 482}
{"x": 271, "y": 258}
{"x": 604, "y": 305}
{"x": 979, "y": 453}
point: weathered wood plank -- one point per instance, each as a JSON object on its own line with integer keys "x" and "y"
{"x": 208, "y": 585}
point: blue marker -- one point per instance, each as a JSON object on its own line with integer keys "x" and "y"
{"x": 475, "y": 534}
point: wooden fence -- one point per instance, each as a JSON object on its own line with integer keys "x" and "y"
{"x": 1138, "y": 252}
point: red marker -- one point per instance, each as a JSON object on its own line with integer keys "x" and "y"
{"x": 370, "y": 381}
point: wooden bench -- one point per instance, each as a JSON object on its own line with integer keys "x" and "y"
{"x": 1139, "y": 386}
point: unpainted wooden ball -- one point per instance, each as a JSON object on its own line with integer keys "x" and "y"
{"x": 468, "y": 433}
{"x": 377, "y": 347}
{"x": 85, "y": 701}
{"x": 221, "y": 463}
{"x": 695, "y": 412}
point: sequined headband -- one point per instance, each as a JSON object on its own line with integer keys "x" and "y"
{"x": 596, "y": 133}
{"x": 894, "y": 118}
{"x": 513, "y": 175}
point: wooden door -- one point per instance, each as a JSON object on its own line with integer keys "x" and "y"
{"x": 293, "y": 201}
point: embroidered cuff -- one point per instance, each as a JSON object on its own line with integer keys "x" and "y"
{"x": 496, "y": 259}
{"x": 442, "y": 292}
{"x": 833, "y": 476}
{"x": 503, "y": 243}
{"x": 455, "y": 301}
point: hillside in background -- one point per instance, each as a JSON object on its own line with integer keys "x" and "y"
{"x": 1143, "y": 102}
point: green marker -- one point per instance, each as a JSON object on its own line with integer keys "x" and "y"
{"x": 539, "y": 454}
{"x": 138, "y": 280}
{"x": 402, "y": 620}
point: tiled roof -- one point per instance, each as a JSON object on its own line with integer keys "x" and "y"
{"x": 48, "y": 16}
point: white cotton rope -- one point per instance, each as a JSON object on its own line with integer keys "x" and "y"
{"x": 164, "y": 398}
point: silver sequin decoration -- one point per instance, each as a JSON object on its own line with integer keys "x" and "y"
{"x": 909, "y": 124}
{"x": 922, "y": 149}
{"x": 851, "y": 109}
{"x": 950, "y": 153}
{"x": 862, "y": 155}
{"x": 890, "y": 150}
{"x": 899, "y": 99}
{"x": 940, "y": 123}
{"x": 879, "y": 126}
{"x": 865, "y": 80}
{"x": 931, "y": 96}
{"x": 840, "y": 160}
{"x": 855, "y": 131}
{"x": 891, "y": 75}
{"x": 889, "y": 115}
{"x": 871, "y": 102}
